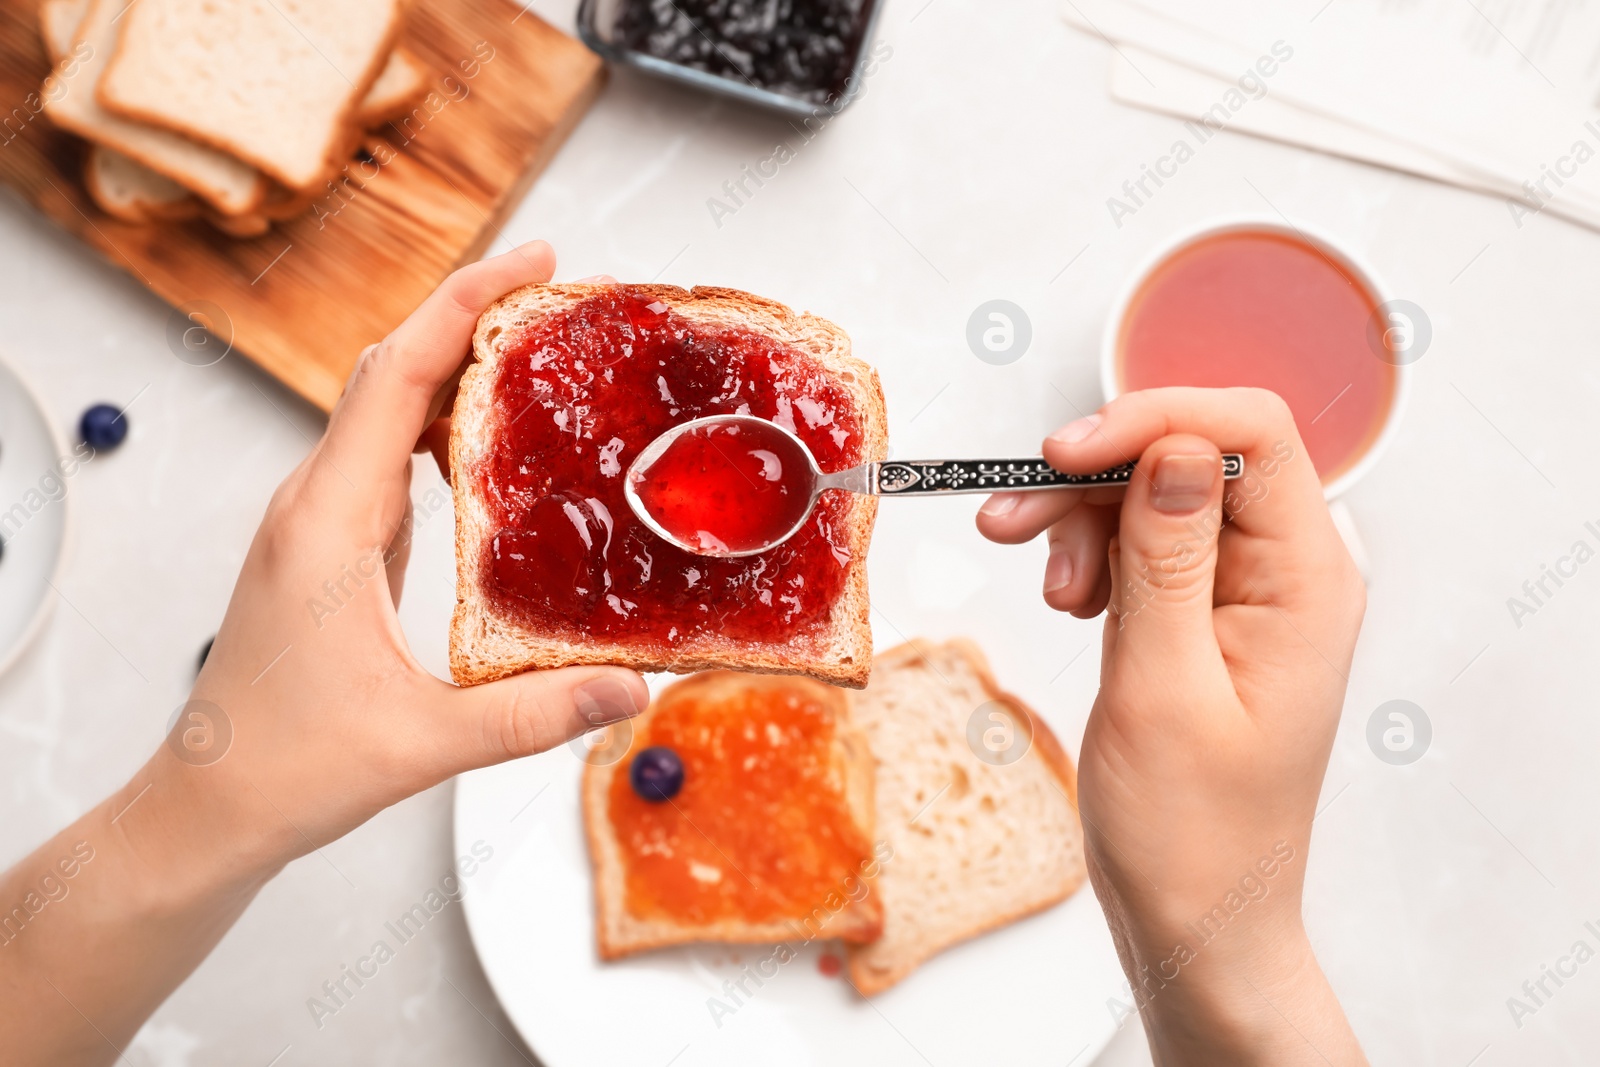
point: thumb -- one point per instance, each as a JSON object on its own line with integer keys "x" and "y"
{"x": 529, "y": 713}
{"x": 1167, "y": 548}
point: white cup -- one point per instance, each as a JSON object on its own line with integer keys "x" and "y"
{"x": 1112, "y": 387}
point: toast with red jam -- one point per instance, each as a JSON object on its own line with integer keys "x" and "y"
{"x": 569, "y": 384}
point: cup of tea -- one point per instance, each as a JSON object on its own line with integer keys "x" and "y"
{"x": 1258, "y": 302}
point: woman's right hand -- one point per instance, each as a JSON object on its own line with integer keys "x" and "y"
{"x": 1231, "y": 617}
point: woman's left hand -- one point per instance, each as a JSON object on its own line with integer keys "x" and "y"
{"x": 310, "y": 716}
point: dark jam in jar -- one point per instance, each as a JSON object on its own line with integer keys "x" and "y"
{"x": 580, "y": 393}
{"x": 728, "y": 486}
{"x": 801, "y": 48}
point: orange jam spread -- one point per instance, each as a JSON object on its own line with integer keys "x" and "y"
{"x": 761, "y": 831}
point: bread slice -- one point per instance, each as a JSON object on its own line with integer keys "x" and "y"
{"x": 229, "y": 185}
{"x": 486, "y": 644}
{"x": 274, "y": 82}
{"x": 972, "y": 844}
{"x": 402, "y": 84}
{"x": 835, "y": 897}
{"x": 133, "y": 192}
{"x": 58, "y": 26}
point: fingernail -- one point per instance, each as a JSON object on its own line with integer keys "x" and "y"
{"x": 1076, "y": 430}
{"x": 1183, "y": 483}
{"x": 1000, "y": 504}
{"x": 605, "y": 700}
{"x": 1058, "y": 572}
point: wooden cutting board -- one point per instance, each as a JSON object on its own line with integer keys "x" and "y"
{"x": 429, "y": 194}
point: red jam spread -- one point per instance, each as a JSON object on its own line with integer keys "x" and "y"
{"x": 728, "y": 487}
{"x": 760, "y": 831}
{"x": 581, "y": 392}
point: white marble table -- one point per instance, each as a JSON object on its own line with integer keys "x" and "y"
{"x": 976, "y": 166}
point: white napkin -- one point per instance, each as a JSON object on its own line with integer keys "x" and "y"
{"x": 1493, "y": 97}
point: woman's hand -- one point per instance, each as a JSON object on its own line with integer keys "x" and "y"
{"x": 310, "y": 716}
{"x": 1232, "y": 614}
{"x": 332, "y": 718}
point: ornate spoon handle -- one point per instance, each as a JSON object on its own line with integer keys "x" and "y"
{"x": 932, "y": 477}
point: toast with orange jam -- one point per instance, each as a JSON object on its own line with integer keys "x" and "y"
{"x": 765, "y": 835}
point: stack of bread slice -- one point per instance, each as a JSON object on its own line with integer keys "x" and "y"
{"x": 237, "y": 111}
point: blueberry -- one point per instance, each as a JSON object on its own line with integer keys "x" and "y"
{"x": 103, "y": 427}
{"x": 656, "y": 774}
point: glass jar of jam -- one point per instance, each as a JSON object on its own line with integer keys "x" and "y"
{"x": 803, "y": 57}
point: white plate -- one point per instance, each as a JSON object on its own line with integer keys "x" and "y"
{"x": 33, "y": 514}
{"x": 1032, "y": 993}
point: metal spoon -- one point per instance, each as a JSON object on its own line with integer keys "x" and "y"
{"x": 900, "y": 477}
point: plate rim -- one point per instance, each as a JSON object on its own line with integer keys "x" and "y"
{"x": 46, "y": 605}
{"x": 470, "y": 906}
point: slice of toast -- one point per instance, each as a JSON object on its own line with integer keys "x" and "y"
{"x": 488, "y": 640}
{"x": 133, "y": 192}
{"x": 277, "y": 83}
{"x": 769, "y": 838}
{"x": 231, "y": 186}
{"x": 973, "y": 842}
{"x": 402, "y": 84}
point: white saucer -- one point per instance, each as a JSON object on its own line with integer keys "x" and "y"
{"x": 1033, "y": 994}
{"x": 33, "y": 514}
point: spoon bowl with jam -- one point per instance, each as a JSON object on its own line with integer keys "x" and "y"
{"x": 737, "y": 485}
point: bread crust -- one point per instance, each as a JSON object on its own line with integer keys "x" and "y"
{"x": 370, "y": 113}
{"x": 619, "y": 933}
{"x": 133, "y": 151}
{"x": 871, "y": 980}
{"x": 144, "y": 211}
{"x": 485, "y": 645}
{"x": 57, "y": 35}
{"x": 243, "y": 227}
